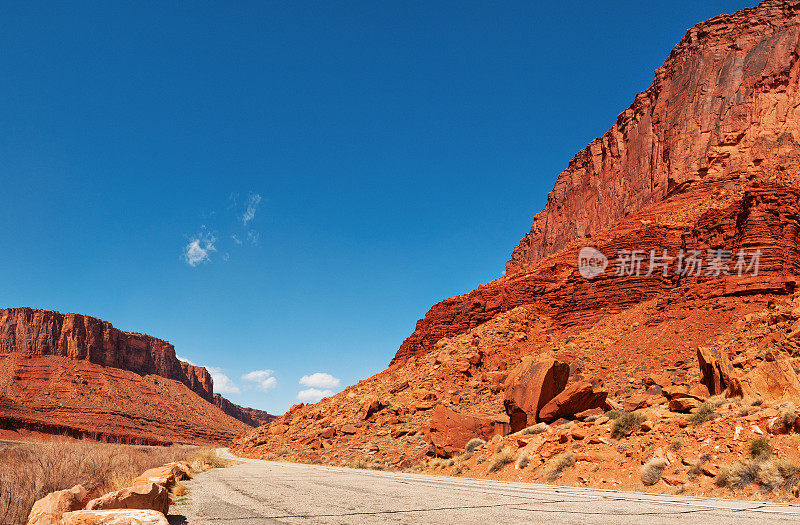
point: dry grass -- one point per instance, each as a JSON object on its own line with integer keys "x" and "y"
{"x": 523, "y": 460}
{"x": 651, "y": 471}
{"x": 472, "y": 444}
{"x": 560, "y": 464}
{"x": 500, "y": 460}
{"x": 29, "y": 471}
{"x": 705, "y": 412}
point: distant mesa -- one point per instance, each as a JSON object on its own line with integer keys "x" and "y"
{"x": 77, "y": 375}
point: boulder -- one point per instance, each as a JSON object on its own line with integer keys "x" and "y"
{"x": 716, "y": 372}
{"x": 449, "y": 431}
{"x": 164, "y": 476}
{"x": 48, "y": 510}
{"x": 530, "y": 386}
{"x": 576, "y": 398}
{"x": 145, "y": 496}
{"x": 683, "y": 404}
{"x": 114, "y": 517}
{"x": 772, "y": 381}
{"x": 348, "y": 429}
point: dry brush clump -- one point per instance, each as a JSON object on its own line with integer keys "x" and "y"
{"x": 625, "y": 423}
{"x": 523, "y": 460}
{"x": 30, "y": 471}
{"x": 561, "y": 463}
{"x": 652, "y": 470}
{"x": 472, "y": 444}
{"x": 769, "y": 474}
{"x": 500, "y": 460}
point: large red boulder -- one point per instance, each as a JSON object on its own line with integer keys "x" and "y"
{"x": 49, "y": 509}
{"x": 449, "y": 431}
{"x": 530, "y": 386}
{"x": 575, "y": 398}
{"x": 148, "y": 496}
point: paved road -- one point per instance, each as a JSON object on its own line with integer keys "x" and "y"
{"x": 259, "y": 492}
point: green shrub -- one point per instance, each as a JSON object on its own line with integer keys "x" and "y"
{"x": 703, "y": 413}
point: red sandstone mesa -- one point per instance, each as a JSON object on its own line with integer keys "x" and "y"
{"x": 79, "y": 376}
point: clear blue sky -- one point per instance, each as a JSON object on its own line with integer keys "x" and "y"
{"x": 399, "y": 152}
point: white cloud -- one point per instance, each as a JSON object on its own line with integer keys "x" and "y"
{"x": 312, "y": 395}
{"x": 222, "y": 383}
{"x": 184, "y": 360}
{"x": 320, "y": 380}
{"x": 250, "y": 211}
{"x": 263, "y": 379}
{"x": 236, "y": 239}
{"x": 199, "y": 248}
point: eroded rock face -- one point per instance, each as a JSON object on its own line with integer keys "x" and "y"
{"x": 576, "y": 398}
{"x": 36, "y": 333}
{"x": 148, "y": 496}
{"x": 530, "y": 386}
{"x": 716, "y": 372}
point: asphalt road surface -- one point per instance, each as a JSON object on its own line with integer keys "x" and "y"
{"x": 258, "y": 492}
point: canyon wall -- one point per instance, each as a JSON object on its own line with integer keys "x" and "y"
{"x": 36, "y": 333}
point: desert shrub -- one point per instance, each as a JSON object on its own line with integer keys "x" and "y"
{"x": 738, "y": 475}
{"x": 523, "y": 460}
{"x": 613, "y": 414}
{"x": 560, "y": 464}
{"x": 474, "y": 443}
{"x": 789, "y": 415}
{"x": 651, "y": 471}
{"x": 759, "y": 448}
{"x": 676, "y": 444}
{"x": 768, "y": 474}
{"x": 697, "y": 468}
{"x": 538, "y": 428}
{"x": 757, "y": 402}
{"x": 705, "y": 412}
{"x": 480, "y": 459}
{"x": 625, "y": 423}
{"x": 500, "y": 460}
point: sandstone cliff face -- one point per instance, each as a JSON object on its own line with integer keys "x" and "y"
{"x": 724, "y": 105}
{"x": 35, "y": 333}
{"x": 706, "y": 158}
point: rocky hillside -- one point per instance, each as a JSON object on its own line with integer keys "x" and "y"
{"x": 677, "y": 350}
{"x": 77, "y": 375}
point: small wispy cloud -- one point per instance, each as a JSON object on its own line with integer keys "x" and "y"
{"x": 222, "y": 383}
{"x": 320, "y": 380}
{"x": 199, "y": 248}
{"x": 236, "y": 239}
{"x": 250, "y": 210}
{"x": 261, "y": 379}
{"x": 313, "y": 395}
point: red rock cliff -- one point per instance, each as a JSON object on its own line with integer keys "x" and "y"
{"x": 36, "y": 333}
{"x": 724, "y": 105}
{"x": 707, "y": 157}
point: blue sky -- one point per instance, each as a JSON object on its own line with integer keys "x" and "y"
{"x": 281, "y": 189}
